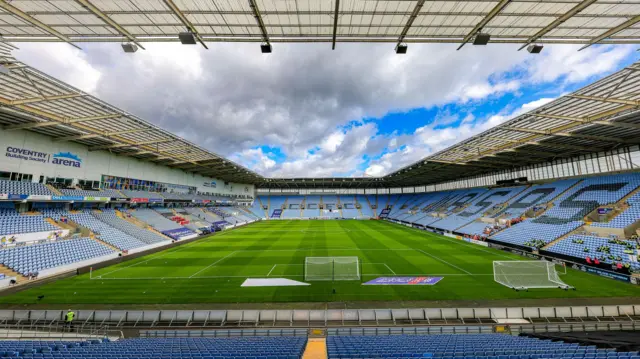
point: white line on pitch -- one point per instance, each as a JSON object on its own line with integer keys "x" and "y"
{"x": 443, "y": 261}
{"x": 210, "y": 265}
{"x": 168, "y": 251}
{"x": 272, "y": 268}
{"x": 389, "y": 269}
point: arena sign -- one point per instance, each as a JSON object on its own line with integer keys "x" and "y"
{"x": 67, "y": 159}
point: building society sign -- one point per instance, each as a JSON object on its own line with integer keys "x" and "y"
{"x": 61, "y": 158}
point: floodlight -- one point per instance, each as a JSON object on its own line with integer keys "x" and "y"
{"x": 482, "y": 39}
{"x": 129, "y": 47}
{"x": 187, "y": 38}
{"x": 534, "y": 48}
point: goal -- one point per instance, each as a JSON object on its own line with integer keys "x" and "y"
{"x": 331, "y": 268}
{"x": 527, "y": 274}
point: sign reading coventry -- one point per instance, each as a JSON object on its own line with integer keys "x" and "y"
{"x": 61, "y": 158}
{"x": 404, "y": 281}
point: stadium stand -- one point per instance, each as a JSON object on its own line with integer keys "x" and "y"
{"x": 450, "y": 346}
{"x": 18, "y": 187}
{"x": 365, "y": 206}
{"x": 141, "y": 194}
{"x": 605, "y": 249}
{"x": 569, "y": 210}
{"x": 13, "y": 223}
{"x": 311, "y": 207}
{"x": 174, "y": 348}
{"x": 89, "y": 193}
{"x": 109, "y": 217}
{"x": 155, "y": 219}
{"x": 257, "y": 209}
{"x": 38, "y": 257}
{"x": 162, "y": 224}
{"x": 105, "y": 232}
{"x": 627, "y": 217}
{"x": 292, "y": 207}
{"x": 178, "y": 196}
{"x": 349, "y": 209}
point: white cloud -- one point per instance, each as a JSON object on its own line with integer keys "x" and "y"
{"x": 231, "y": 99}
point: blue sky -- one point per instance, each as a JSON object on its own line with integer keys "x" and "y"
{"x": 307, "y": 111}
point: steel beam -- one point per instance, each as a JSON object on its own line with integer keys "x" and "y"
{"x": 132, "y": 144}
{"x": 97, "y": 12}
{"x": 566, "y": 16}
{"x": 607, "y": 99}
{"x": 412, "y": 18}
{"x": 335, "y": 24}
{"x": 4, "y": 4}
{"x": 58, "y": 120}
{"x": 561, "y": 146}
{"x": 46, "y": 98}
{"x": 569, "y": 134}
{"x": 632, "y": 21}
{"x": 183, "y": 19}
{"x": 479, "y": 26}
{"x": 93, "y": 135}
{"x": 256, "y": 14}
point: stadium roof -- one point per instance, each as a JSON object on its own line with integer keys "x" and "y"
{"x": 396, "y": 21}
{"x": 602, "y": 116}
{"x": 31, "y": 100}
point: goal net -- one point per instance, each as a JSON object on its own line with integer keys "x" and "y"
{"x": 331, "y": 268}
{"x": 527, "y": 274}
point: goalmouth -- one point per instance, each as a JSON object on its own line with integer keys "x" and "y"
{"x": 528, "y": 274}
{"x": 331, "y": 268}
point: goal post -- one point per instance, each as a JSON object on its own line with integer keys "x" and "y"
{"x": 331, "y": 268}
{"x": 527, "y": 274}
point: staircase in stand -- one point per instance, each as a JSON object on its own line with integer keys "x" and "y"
{"x": 316, "y": 349}
{"x": 355, "y": 200}
{"x": 54, "y": 190}
{"x": 576, "y": 231}
{"x": 266, "y": 211}
{"x": 116, "y": 249}
{"x": 10, "y": 273}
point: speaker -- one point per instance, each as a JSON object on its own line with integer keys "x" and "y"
{"x": 265, "y": 48}
{"x": 401, "y": 49}
{"x": 187, "y": 38}
{"x": 482, "y": 39}
{"x": 534, "y": 49}
{"x": 129, "y": 47}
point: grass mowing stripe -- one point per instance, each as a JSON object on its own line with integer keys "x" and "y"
{"x": 210, "y": 265}
{"x": 476, "y": 247}
{"x": 285, "y": 244}
{"x": 443, "y": 261}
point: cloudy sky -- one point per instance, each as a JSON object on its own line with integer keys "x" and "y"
{"x": 305, "y": 110}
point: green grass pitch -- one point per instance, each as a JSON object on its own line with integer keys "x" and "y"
{"x": 211, "y": 270}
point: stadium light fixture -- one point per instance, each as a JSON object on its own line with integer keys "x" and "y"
{"x": 534, "y": 48}
{"x": 401, "y": 49}
{"x": 187, "y": 38}
{"x": 129, "y": 47}
{"x": 481, "y": 39}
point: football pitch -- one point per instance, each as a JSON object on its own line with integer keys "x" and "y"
{"x": 211, "y": 270}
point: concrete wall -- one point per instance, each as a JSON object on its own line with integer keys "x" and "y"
{"x": 94, "y": 164}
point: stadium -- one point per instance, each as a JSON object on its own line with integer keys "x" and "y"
{"x": 123, "y": 239}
